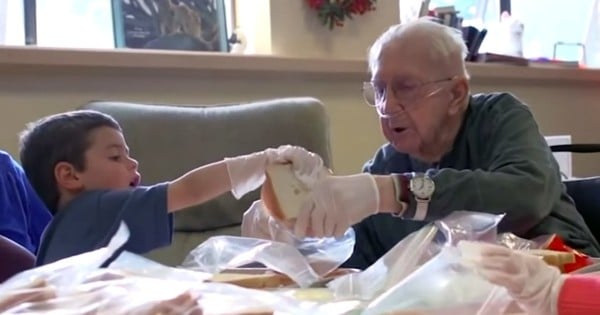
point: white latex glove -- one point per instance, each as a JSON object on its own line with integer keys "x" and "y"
{"x": 534, "y": 284}
{"x": 247, "y": 172}
{"x": 337, "y": 203}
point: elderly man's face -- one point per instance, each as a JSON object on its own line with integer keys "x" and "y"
{"x": 417, "y": 97}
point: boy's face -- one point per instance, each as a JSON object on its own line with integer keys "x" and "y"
{"x": 107, "y": 162}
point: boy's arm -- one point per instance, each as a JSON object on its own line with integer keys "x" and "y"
{"x": 198, "y": 186}
{"x": 239, "y": 175}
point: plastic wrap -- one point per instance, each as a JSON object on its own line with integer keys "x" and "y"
{"x": 396, "y": 264}
{"x": 71, "y": 270}
{"x": 305, "y": 261}
{"x": 469, "y": 226}
{"x": 133, "y": 264}
{"x": 413, "y": 251}
{"x": 48, "y": 281}
{"x": 152, "y": 289}
{"x": 443, "y": 285}
{"x": 140, "y": 295}
{"x": 582, "y": 262}
{"x": 514, "y": 242}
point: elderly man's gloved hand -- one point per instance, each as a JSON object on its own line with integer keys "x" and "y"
{"x": 336, "y": 203}
{"x": 247, "y": 172}
{"x": 529, "y": 280}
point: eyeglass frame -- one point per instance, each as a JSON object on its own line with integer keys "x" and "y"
{"x": 369, "y": 85}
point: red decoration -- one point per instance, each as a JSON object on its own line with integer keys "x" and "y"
{"x": 581, "y": 260}
{"x": 335, "y": 12}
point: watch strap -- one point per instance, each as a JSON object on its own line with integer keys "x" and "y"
{"x": 421, "y": 211}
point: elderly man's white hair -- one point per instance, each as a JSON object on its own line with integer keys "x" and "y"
{"x": 446, "y": 42}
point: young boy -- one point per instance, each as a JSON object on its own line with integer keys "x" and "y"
{"x": 79, "y": 164}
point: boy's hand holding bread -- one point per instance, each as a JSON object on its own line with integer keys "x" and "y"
{"x": 247, "y": 172}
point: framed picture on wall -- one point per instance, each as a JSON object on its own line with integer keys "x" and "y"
{"x": 197, "y": 25}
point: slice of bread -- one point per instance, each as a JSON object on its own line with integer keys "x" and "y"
{"x": 267, "y": 280}
{"x": 553, "y": 258}
{"x": 282, "y": 193}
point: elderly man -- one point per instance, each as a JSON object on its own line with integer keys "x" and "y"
{"x": 448, "y": 150}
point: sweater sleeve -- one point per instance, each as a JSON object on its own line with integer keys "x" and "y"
{"x": 517, "y": 180}
{"x": 579, "y": 295}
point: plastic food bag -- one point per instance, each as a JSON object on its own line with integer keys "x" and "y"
{"x": 443, "y": 285}
{"x": 323, "y": 254}
{"x": 395, "y": 265}
{"x": 48, "y": 281}
{"x": 417, "y": 248}
{"x": 469, "y": 226}
{"x": 139, "y": 295}
{"x": 305, "y": 261}
{"x": 514, "y": 242}
{"x": 550, "y": 242}
{"x": 225, "y": 252}
{"x": 71, "y": 270}
{"x": 133, "y": 264}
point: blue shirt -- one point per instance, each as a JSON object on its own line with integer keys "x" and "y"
{"x": 90, "y": 220}
{"x": 23, "y": 215}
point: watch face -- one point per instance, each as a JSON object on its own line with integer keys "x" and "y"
{"x": 422, "y": 187}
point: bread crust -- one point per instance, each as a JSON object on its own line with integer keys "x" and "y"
{"x": 269, "y": 199}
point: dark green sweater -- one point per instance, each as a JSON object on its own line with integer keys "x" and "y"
{"x": 500, "y": 163}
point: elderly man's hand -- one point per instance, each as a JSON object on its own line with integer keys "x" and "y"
{"x": 336, "y": 203}
{"x": 529, "y": 280}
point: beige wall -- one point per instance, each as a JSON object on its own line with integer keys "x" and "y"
{"x": 561, "y": 107}
{"x": 355, "y": 135}
{"x": 290, "y": 28}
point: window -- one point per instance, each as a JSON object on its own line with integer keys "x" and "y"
{"x": 477, "y": 13}
{"x": 67, "y": 23}
{"x": 561, "y": 21}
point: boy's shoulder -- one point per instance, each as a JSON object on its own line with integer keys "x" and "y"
{"x": 8, "y": 163}
{"x": 90, "y": 219}
{"x": 114, "y": 204}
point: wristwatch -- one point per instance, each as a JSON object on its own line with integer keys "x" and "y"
{"x": 422, "y": 188}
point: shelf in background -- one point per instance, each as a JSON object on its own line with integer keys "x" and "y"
{"x": 37, "y": 60}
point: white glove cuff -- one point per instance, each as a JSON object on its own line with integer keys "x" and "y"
{"x": 373, "y": 183}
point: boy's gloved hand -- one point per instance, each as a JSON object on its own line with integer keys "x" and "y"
{"x": 247, "y": 172}
{"x": 529, "y": 280}
{"x": 338, "y": 203}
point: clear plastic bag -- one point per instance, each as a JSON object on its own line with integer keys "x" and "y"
{"x": 133, "y": 264}
{"x": 413, "y": 251}
{"x": 323, "y": 254}
{"x": 48, "y": 281}
{"x": 395, "y": 265}
{"x": 305, "y": 261}
{"x": 469, "y": 226}
{"x": 443, "y": 285}
{"x": 514, "y": 242}
{"x": 140, "y": 295}
{"x": 71, "y": 270}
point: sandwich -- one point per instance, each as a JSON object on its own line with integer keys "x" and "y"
{"x": 282, "y": 193}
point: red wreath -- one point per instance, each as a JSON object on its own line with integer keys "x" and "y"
{"x": 335, "y": 12}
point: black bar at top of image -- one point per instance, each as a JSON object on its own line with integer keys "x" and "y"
{"x": 30, "y": 18}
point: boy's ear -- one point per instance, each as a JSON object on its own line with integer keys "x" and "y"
{"x": 66, "y": 176}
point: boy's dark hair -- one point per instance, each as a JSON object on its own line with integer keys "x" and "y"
{"x": 58, "y": 138}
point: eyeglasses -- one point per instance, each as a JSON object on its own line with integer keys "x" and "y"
{"x": 375, "y": 92}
